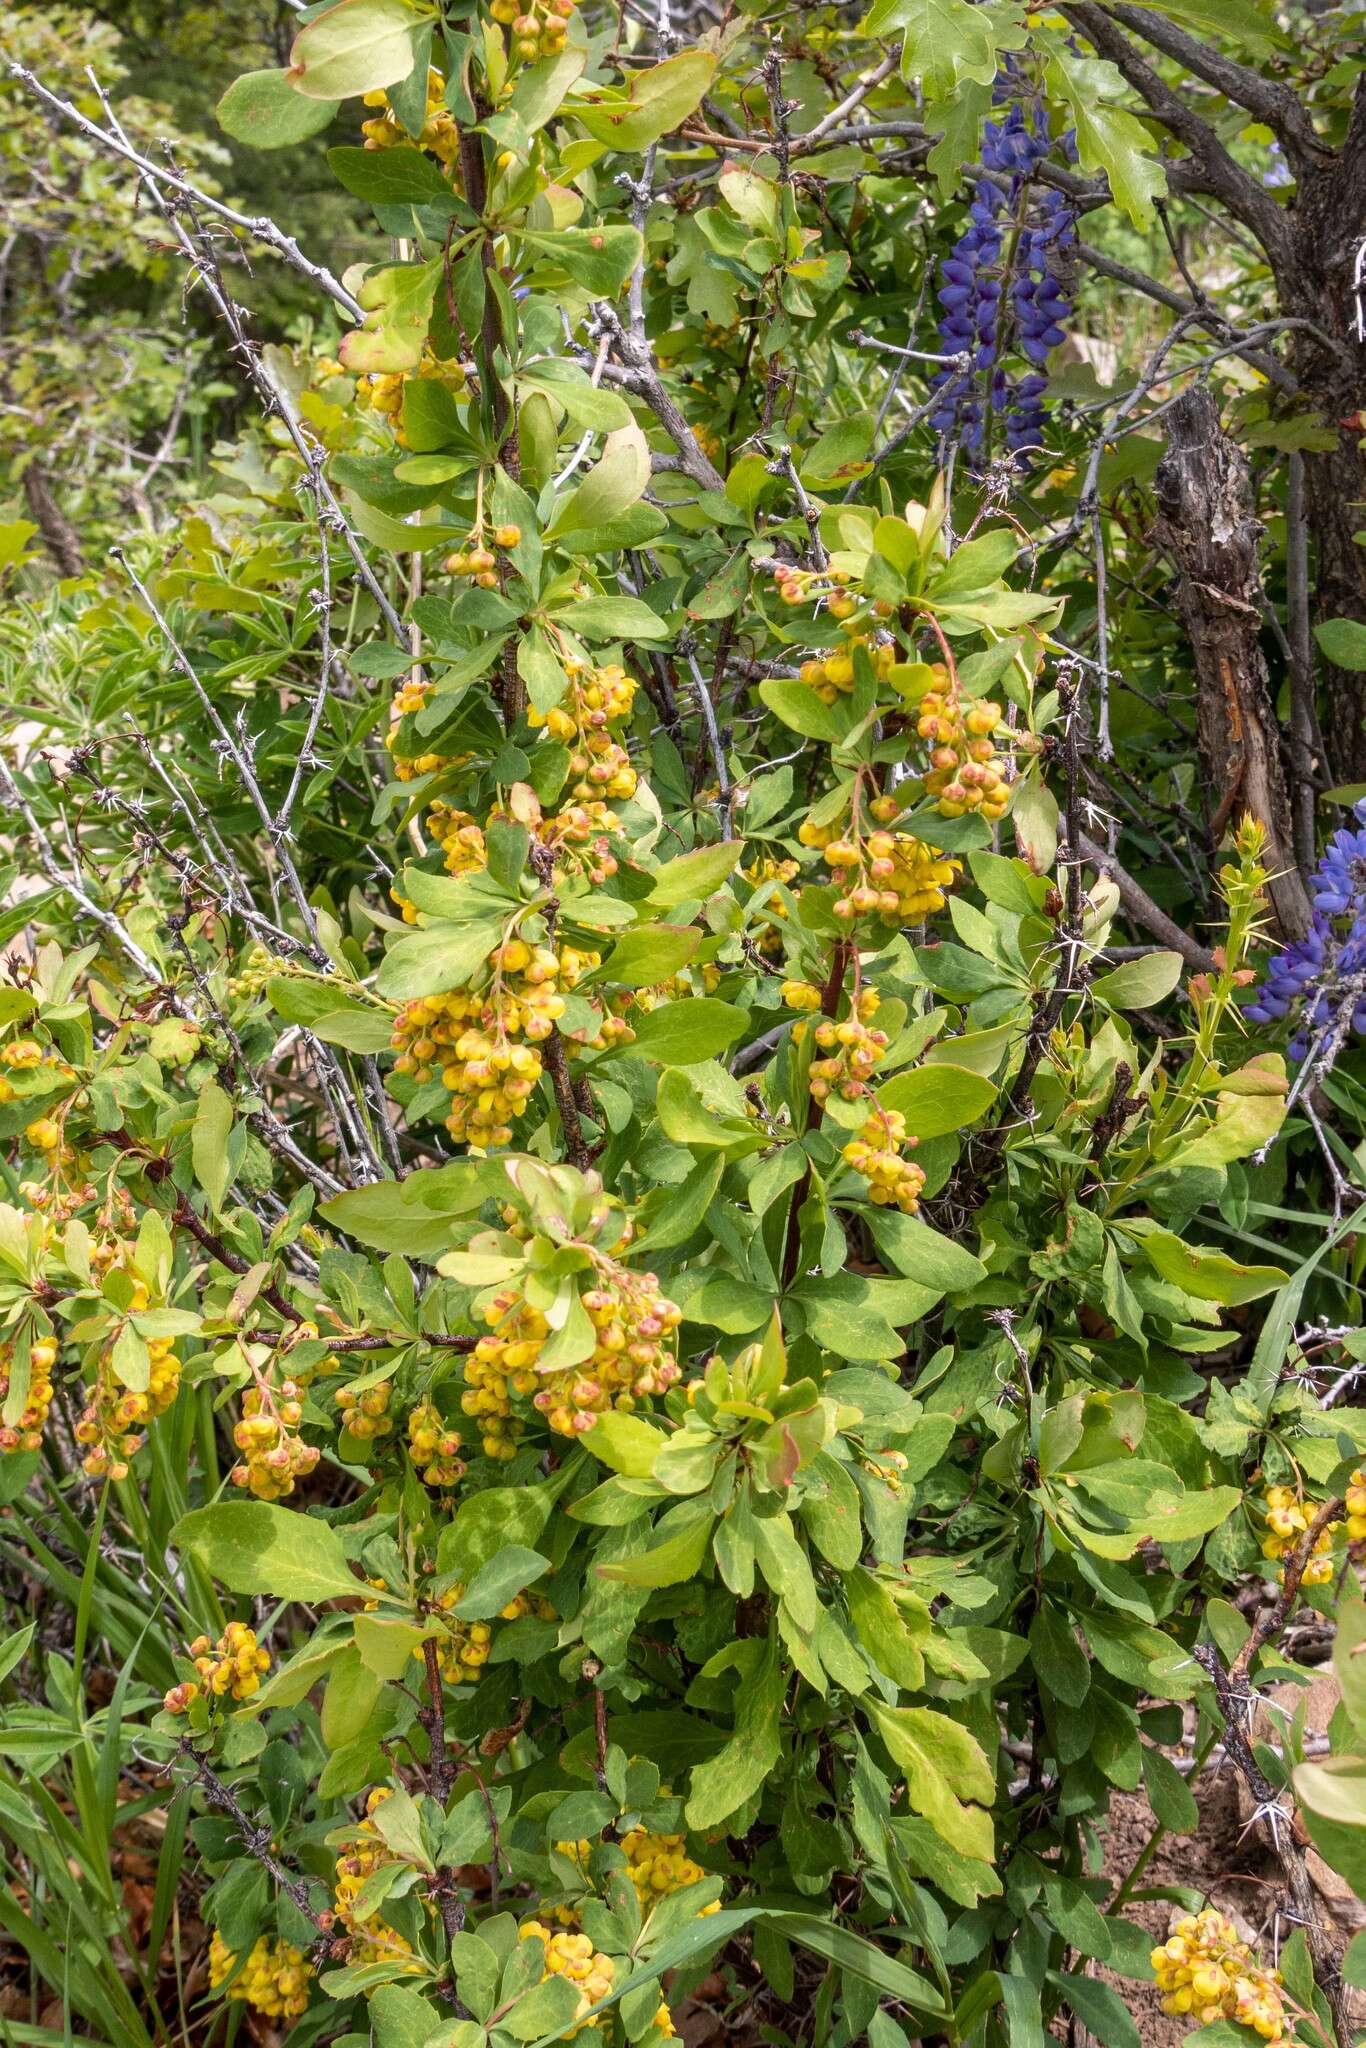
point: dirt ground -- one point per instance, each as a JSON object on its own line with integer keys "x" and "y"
{"x": 1220, "y": 1859}
{"x": 1230, "y": 1860}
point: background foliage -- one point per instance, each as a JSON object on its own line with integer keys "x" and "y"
{"x": 671, "y": 1316}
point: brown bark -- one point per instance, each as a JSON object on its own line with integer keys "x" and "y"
{"x": 1330, "y": 219}
{"x": 59, "y": 535}
{"x": 1207, "y": 523}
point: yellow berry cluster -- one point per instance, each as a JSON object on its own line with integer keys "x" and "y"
{"x": 256, "y": 970}
{"x": 273, "y": 1980}
{"x": 538, "y": 29}
{"x": 411, "y": 694}
{"x": 832, "y": 675}
{"x": 366, "y": 1853}
{"x": 365, "y": 1414}
{"x": 660, "y": 1864}
{"x": 372, "y": 1939}
{"x": 632, "y": 1323}
{"x": 965, "y": 769}
{"x": 598, "y": 698}
{"x": 1356, "y": 1508}
{"x": 479, "y": 563}
{"x": 887, "y": 874}
{"x": 476, "y": 1039}
{"x": 25, "y": 1053}
{"x": 888, "y": 1466}
{"x": 434, "y": 1447}
{"x": 273, "y": 1453}
{"x": 498, "y": 1368}
{"x": 464, "y": 1649}
{"x": 27, "y": 1433}
{"x": 382, "y": 391}
{"x": 113, "y": 1421}
{"x": 573, "y": 1956}
{"x": 233, "y": 1664}
{"x": 1287, "y": 1518}
{"x": 768, "y": 937}
{"x": 893, "y": 1182}
{"x": 852, "y": 1047}
{"x": 801, "y": 995}
{"x": 439, "y": 134}
{"x": 809, "y": 586}
{"x": 1206, "y": 1971}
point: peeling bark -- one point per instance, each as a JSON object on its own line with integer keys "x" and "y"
{"x": 1208, "y": 525}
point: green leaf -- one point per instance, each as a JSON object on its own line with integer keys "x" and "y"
{"x": 262, "y": 109}
{"x": 615, "y": 618}
{"x": 677, "y": 1558}
{"x": 1209, "y": 1276}
{"x": 659, "y": 99}
{"x": 682, "y": 1033}
{"x": 484, "y": 1523}
{"x": 386, "y": 1647}
{"x": 251, "y": 1546}
{"x": 625, "y": 1443}
{"x": 399, "y": 1825}
{"x": 705, "y": 1107}
{"x": 693, "y": 877}
{"x": 413, "y": 1215}
{"x": 1169, "y": 1796}
{"x": 209, "y": 1144}
{"x": 1108, "y": 139}
{"x": 356, "y": 1029}
{"x": 883, "y": 1631}
{"x": 541, "y": 669}
{"x": 355, "y": 47}
{"x": 398, "y": 311}
{"x": 726, "y": 1781}
{"x": 400, "y": 2018}
{"x": 437, "y": 959}
{"x": 1100, "y": 2009}
{"x": 958, "y": 121}
{"x": 802, "y": 710}
{"x": 945, "y": 40}
{"x": 1138, "y": 984}
{"x": 938, "y": 1099}
{"x": 498, "y": 1581}
{"x": 401, "y": 176}
{"x": 1343, "y": 642}
{"x": 945, "y": 1769}
{"x": 923, "y": 1254}
{"x": 855, "y": 1954}
{"x": 651, "y": 954}
{"x": 614, "y": 484}
{"x": 553, "y": 2004}
{"x": 1332, "y": 1799}
{"x": 584, "y": 404}
{"x": 598, "y": 258}
{"x": 724, "y": 590}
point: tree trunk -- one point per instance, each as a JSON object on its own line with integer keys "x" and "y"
{"x": 57, "y": 531}
{"x": 1208, "y": 525}
{"x": 1330, "y": 220}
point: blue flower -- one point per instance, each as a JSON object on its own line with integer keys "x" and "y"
{"x": 1323, "y": 974}
{"x": 1038, "y": 229}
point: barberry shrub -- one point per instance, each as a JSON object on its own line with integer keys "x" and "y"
{"x": 643, "y": 1338}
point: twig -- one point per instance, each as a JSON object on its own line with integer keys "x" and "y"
{"x": 1276, "y": 1616}
{"x": 1233, "y": 1703}
{"x": 558, "y": 1069}
{"x": 258, "y": 226}
{"x": 257, "y": 1841}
